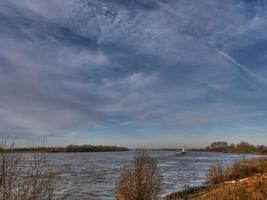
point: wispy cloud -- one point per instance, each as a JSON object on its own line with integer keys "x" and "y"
{"x": 66, "y": 65}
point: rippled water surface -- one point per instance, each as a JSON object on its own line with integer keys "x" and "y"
{"x": 92, "y": 176}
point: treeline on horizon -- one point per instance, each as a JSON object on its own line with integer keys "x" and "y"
{"x": 72, "y": 148}
{"x": 242, "y": 147}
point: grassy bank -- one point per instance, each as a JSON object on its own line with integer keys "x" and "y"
{"x": 244, "y": 180}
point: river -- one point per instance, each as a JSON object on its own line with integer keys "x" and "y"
{"x": 93, "y": 176}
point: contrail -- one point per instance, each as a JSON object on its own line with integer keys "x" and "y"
{"x": 252, "y": 75}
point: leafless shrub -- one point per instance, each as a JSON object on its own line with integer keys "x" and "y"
{"x": 140, "y": 181}
{"x": 23, "y": 179}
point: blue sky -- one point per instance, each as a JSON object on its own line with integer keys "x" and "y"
{"x": 154, "y": 73}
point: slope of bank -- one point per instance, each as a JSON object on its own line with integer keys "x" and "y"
{"x": 250, "y": 188}
{"x": 245, "y": 179}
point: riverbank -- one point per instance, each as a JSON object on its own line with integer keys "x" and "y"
{"x": 256, "y": 152}
{"x": 245, "y": 179}
{"x": 241, "y": 148}
{"x": 254, "y": 187}
{"x": 72, "y": 149}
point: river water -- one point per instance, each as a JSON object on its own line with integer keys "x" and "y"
{"x": 92, "y": 176}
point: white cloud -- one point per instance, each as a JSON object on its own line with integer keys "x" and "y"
{"x": 67, "y": 64}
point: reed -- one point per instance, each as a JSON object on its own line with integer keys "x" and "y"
{"x": 240, "y": 169}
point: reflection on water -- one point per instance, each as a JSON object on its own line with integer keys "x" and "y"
{"x": 83, "y": 176}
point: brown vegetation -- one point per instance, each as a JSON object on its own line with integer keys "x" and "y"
{"x": 252, "y": 188}
{"x": 244, "y": 180}
{"x": 240, "y": 169}
{"x": 24, "y": 180}
{"x": 140, "y": 181}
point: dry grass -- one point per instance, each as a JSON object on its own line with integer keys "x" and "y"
{"x": 244, "y": 180}
{"x": 252, "y": 188}
{"x": 24, "y": 180}
{"x": 240, "y": 169}
{"x": 140, "y": 181}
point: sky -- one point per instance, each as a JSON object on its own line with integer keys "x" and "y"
{"x": 135, "y": 73}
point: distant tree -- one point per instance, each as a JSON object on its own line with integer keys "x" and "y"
{"x": 73, "y": 148}
{"x": 242, "y": 147}
{"x": 219, "y": 144}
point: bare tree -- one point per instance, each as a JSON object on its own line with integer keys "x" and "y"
{"x": 140, "y": 181}
{"x": 24, "y": 176}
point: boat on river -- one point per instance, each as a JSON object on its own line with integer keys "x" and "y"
{"x": 180, "y": 151}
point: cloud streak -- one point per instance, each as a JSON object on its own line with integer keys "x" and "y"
{"x": 97, "y": 64}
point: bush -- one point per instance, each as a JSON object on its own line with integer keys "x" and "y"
{"x": 140, "y": 181}
{"x": 24, "y": 180}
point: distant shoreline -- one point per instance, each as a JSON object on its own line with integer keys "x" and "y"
{"x": 212, "y": 151}
{"x": 241, "y": 148}
{"x": 228, "y": 152}
{"x": 72, "y": 149}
